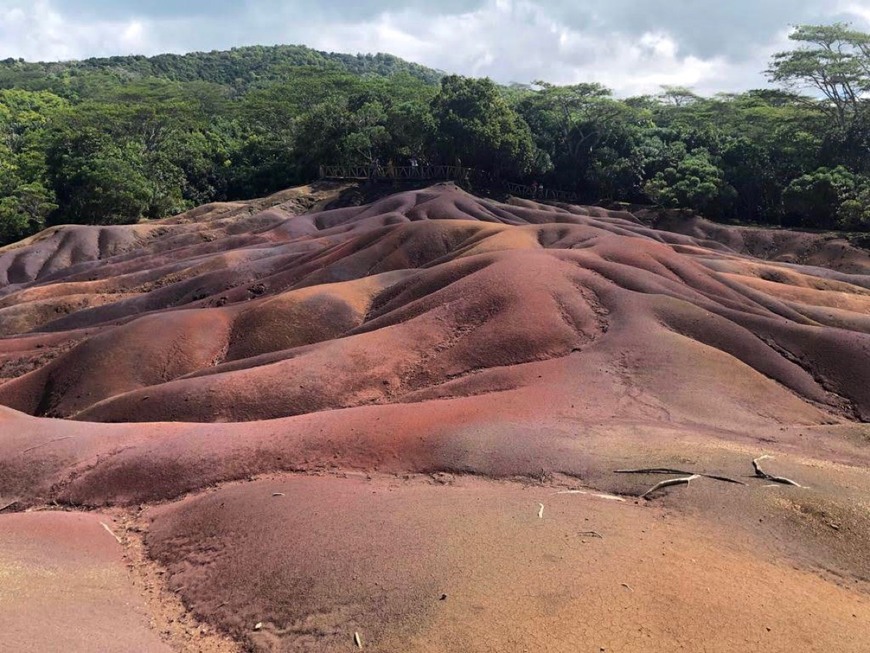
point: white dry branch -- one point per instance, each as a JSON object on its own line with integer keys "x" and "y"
{"x": 35, "y": 447}
{"x": 111, "y": 532}
{"x": 670, "y": 482}
{"x": 665, "y": 470}
{"x": 8, "y": 505}
{"x": 609, "y": 497}
{"x": 760, "y": 473}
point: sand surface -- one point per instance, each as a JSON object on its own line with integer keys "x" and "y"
{"x": 65, "y": 587}
{"x": 303, "y": 421}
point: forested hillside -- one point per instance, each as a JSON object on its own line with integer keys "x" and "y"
{"x": 238, "y": 69}
{"x": 125, "y": 138}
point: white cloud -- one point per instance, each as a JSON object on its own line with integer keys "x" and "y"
{"x": 518, "y": 41}
{"x": 36, "y": 30}
{"x": 623, "y": 44}
{"x": 858, "y": 10}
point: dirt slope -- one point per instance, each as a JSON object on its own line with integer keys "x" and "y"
{"x": 473, "y": 359}
{"x": 65, "y": 588}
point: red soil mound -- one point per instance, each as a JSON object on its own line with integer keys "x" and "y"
{"x": 421, "y": 295}
{"x": 827, "y": 250}
{"x": 433, "y": 332}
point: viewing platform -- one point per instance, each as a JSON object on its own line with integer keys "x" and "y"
{"x": 459, "y": 174}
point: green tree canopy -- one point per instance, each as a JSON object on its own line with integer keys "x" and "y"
{"x": 475, "y": 124}
{"x": 832, "y": 60}
{"x": 122, "y": 139}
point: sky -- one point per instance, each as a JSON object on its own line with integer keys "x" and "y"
{"x": 631, "y": 46}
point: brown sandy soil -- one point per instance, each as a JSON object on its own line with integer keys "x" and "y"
{"x": 65, "y": 587}
{"x": 827, "y": 250}
{"x": 411, "y": 379}
{"x": 470, "y": 566}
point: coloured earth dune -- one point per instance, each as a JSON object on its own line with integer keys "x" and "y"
{"x": 302, "y": 424}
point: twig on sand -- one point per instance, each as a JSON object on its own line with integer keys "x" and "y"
{"x": 541, "y": 511}
{"x": 357, "y": 640}
{"x": 628, "y": 587}
{"x": 9, "y": 505}
{"x": 669, "y": 483}
{"x": 664, "y": 470}
{"x": 653, "y": 470}
{"x": 760, "y": 473}
{"x": 726, "y": 479}
{"x": 592, "y": 534}
{"x": 44, "y": 444}
{"x": 609, "y": 497}
{"x": 111, "y": 532}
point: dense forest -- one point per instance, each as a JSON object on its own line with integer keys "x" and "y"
{"x": 120, "y": 139}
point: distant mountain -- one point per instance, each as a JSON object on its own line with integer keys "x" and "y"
{"x": 239, "y": 68}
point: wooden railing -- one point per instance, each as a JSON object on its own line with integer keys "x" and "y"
{"x": 541, "y": 193}
{"x": 439, "y": 172}
{"x": 402, "y": 173}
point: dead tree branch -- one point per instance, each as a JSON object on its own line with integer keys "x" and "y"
{"x": 665, "y": 470}
{"x": 11, "y": 504}
{"x": 669, "y": 483}
{"x": 760, "y": 473}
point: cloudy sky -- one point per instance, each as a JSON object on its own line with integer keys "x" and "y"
{"x": 632, "y": 46}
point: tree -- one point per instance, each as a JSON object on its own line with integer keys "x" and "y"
{"x": 24, "y": 210}
{"x": 412, "y": 127}
{"x": 98, "y": 180}
{"x": 833, "y": 60}
{"x": 854, "y": 211}
{"x": 679, "y": 96}
{"x": 474, "y": 123}
{"x": 577, "y": 116}
{"x": 589, "y": 137}
{"x": 125, "y": 138}
{"x": 814, "y": 199}
{"x": 694, "y": 182}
